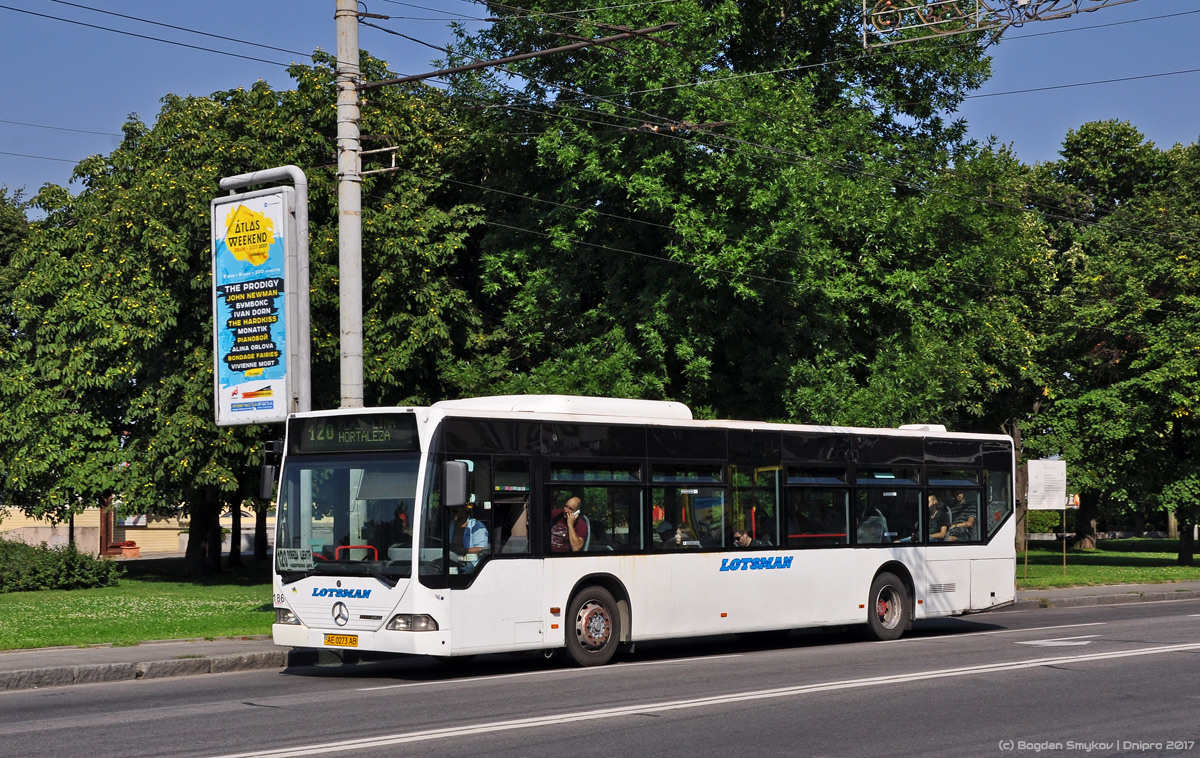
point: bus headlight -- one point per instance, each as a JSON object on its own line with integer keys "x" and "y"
{"x": 412, "y": 622}
{"x": 286, "y": 616}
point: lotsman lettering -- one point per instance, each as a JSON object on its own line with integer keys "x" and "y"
{"x": 756, "y": 564}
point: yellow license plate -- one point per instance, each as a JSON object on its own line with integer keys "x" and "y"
{"x": 341, "y": 640}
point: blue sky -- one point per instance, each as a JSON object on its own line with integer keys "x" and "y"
{"x": 84, "y": 81}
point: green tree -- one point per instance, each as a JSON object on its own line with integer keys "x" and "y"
{"x": 1123, "y": 350}
{"x": 14, "y": 227}
{"x": 109, "y": 388}
{"x": 747, "y": 214}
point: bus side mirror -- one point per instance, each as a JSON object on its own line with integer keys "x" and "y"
{"x": 266, "y": 482}
{"x": 272, "y": 452}
{"x": 454, "y": 492}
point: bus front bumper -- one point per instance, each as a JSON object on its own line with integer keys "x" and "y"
{"x": 385, "y": 641}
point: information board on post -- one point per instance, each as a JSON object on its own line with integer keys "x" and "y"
{"x": 253, "y": 240}
{"x": 1047, "y": 485}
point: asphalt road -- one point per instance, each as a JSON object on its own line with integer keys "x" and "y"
{"x": 1097, "y": 680}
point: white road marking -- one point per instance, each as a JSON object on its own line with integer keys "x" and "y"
{"x": 461, "y": 730}
{"x": 942, "y": 637}
{"x": 1061, "y": 641}
{"x": 1044, "y": 628}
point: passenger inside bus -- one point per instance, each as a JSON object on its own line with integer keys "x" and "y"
{"x": 569, "y": 529}
{"x": 963, "y": 519}
{"x": 675, "y": 536}
{"x": 938, "y": 519}
{"x": 742, "y": 538}
{"x": 386, "y": 534}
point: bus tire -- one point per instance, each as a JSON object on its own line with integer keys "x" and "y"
{"x": 594, "y": 628}
{"x": 887, "y": 608}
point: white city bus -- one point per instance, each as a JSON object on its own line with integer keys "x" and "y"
{"x": 442, "y": 531}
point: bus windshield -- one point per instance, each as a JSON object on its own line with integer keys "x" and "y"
{"x": 347, "y": 515}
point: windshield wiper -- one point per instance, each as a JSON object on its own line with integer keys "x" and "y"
{"x": 338, "y": 568}
{"x": 375, "y": 572}
{"x": 287, "y": 577}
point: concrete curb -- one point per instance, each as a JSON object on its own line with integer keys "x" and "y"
{"x": 57, "y": 676}
{"x": 163, "y": 659}
{"x": 1033, "y": 603}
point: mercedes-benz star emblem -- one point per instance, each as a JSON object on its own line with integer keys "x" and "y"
{"x": 341, "y": 614}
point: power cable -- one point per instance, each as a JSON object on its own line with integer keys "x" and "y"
{"x": 463, "y": 17}
{"x": 795, "y": 156}
{"x": 772, "y": 280}
{"x": 39, "y": 157}
{"x": 60, "y": 128}
{"x": 1053, "y": 213}
{"x": 528, "y": 14}
{"x": 1051, "y": 87}
{"x": 144, "y": 36}
{"x": 183, "y": 29}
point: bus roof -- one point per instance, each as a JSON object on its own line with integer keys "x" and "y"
{"x": 570, "y": 404}
{"x": 651, "y": 411}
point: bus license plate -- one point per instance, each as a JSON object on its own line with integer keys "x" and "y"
{"x": 341, "y": 640}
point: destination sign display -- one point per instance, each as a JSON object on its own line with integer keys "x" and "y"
{"x": 353, "y": 433}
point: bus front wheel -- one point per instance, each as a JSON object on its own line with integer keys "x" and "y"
{"x": 594, "y": 629}
{"x": 887, "y": 611}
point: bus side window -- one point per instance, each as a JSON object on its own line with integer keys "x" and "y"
{"x": 510, "y": 506}
{"x": 512, "y": 524}
{"x": 820, "y": 516}
{"x": 753, "y": 509}
{"x": 999, "y": 499}
{"x": 889, "y": 515}
{"x": 473, "y": 522}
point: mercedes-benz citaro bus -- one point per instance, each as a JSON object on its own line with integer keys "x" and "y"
{"x": 586, "y": 524}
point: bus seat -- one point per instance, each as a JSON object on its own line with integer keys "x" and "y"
{"x": 873, "y": 529}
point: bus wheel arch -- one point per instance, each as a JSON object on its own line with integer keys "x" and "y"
{"x": 890, "y": 603}
{"x": 597, "y": 621}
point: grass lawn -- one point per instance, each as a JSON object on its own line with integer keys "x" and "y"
{"x": 156, "y": 600}
{"x": 1129, "y": 561}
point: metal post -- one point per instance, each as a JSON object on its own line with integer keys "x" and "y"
{"x": 303, "y": 320}
{"x": 349, "y": 180}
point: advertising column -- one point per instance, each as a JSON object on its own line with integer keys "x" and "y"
{"x": 251, "y": 345}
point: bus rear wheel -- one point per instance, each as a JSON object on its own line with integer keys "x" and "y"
{"x": 595, "y": 627}
{"x": 887, "y": 610}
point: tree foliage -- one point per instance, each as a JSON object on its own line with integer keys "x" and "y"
{"x": 1123, "y": 343}
{"x": 108, "y": 387}
{"x": 748, "y": 214}
{"x": 744, "y": 212}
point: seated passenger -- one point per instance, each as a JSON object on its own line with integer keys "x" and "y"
{"x": 676, "y": 536}
{"x": 385, "y": 534}
{"x": 962, "y": 520}
{"x": 939, "y": 520}
{"x": 568, "y": 528}
{"x": 742, "y": 538}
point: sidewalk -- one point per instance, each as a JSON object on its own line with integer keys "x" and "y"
{"x": 1105, "y": 595}
{"x": 55, "y": 667}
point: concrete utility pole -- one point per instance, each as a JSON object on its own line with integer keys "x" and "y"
{"x": 349, "y": 181}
